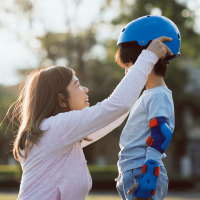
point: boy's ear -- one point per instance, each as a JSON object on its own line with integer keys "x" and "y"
{"x": 126, "y": 70}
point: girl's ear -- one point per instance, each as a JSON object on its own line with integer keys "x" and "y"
{"x": 61, "y": 101}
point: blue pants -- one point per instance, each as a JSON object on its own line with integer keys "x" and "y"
{"x": 130, "y": 177}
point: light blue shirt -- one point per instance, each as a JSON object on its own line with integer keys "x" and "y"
{"x": 155, "y": 102}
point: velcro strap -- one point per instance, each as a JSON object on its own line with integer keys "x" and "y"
{"x": 153, "y": 123}
{"x": 149, "y": 141}
{"x": 156, "y": 171}
{"x": 144, "y": 169}
{"x": 153, "y": 192}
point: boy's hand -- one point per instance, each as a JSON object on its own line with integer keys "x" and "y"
{"x": 137, "y": 198}
{"x": 159, "y": 48}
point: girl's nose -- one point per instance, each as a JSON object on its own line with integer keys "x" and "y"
{"x": 86, "y": 90}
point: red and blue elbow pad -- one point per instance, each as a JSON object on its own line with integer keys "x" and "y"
{"x": 147, "y": 181}
{"x": 161, "y": 134}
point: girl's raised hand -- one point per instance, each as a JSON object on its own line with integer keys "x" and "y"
{"x": 159, "y": 48}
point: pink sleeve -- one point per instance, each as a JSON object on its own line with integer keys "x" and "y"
{"x": 104, "y": 131}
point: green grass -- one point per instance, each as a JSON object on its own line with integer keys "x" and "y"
{"x": 104, "y": 197}
{"x": 9, "y": 168}
{"x": 10, "y": 173}
{"x": 8, "y": 196}
{"x": 99, "y": 168}
{"x": 90, "y": 197}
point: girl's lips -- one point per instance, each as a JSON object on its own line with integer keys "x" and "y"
{"x": 86, "y": 100}
{"x": 87, "y": 103}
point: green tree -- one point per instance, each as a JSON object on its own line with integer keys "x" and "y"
{"x": 7, "y": 97}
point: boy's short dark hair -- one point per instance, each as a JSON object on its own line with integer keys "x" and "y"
{"x": 129, "y": 52}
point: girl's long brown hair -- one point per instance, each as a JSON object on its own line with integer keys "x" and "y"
{"x": 39, "y": 100}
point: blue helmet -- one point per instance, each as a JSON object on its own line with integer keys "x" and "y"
{"x": 150, "y": 27}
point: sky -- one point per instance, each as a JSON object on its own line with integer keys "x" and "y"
{"x": 19, "y": 47}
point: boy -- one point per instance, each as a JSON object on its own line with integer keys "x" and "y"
{"x": 148, "y": 131}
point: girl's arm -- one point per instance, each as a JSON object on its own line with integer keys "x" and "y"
{"x": 73, "y": 126}
{"x": 104, "y": 131}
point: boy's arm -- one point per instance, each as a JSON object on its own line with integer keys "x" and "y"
{"x": 158, "y": 110}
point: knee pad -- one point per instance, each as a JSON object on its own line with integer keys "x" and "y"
{"x": 161, "y": 134}
{"x": 147, "y": 181}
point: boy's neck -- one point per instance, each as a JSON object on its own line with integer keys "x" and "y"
{"x": 154, "y": 81}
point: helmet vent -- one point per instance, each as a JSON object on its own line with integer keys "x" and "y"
{"x": 123, "y": 30}
{"x": 178, "y": 36}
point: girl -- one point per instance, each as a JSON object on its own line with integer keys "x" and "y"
{"x": 56, "y": 120}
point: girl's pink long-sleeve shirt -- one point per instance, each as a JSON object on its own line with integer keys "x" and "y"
{"x": 56, "y": 168}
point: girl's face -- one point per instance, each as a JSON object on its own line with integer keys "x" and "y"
{"x": 77, "y": 95}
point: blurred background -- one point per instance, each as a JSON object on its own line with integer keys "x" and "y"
{"x": 82, "y": 34}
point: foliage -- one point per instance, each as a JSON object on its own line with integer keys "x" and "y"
{"x": 10, "y": 173}
{"x": 7, "y": 97}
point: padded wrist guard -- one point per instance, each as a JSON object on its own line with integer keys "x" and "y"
{"x": 147, "y": 181}
{"x": 161, "y": 134}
